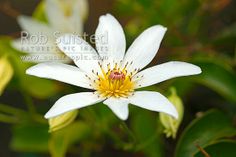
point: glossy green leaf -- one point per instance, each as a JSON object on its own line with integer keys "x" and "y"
{"x": 218, "y": 77}
{"x": 30, "y": 138}
{"x": 145, "y": 129}
{"x": 63, "y": 139}
{"x": 220, "y": 149}
{"x": 212, "y": 126}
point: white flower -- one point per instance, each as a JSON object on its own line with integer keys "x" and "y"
{"x": 64, "y": 16}
{"x": 114, "y": 79}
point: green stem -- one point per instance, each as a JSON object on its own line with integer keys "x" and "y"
{"x": 130, "y": 133}
{"x": 29, "y": 103}
{"x": 150, "y": 140}
{"x": 147, "y": 142}
{"x": 21, "y": 113}
{"x": 32, "y": 110}
{"x": 8, "y": 119}
{"x": 119, "y": 143}
{"x": 11, "y": 110}
{"x": 101, "y": 125}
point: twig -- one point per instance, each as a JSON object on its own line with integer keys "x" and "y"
{"x": 202, "y": 150}
{"x": 6, "y": 8}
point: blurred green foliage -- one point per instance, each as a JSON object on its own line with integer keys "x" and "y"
{"x": 30, "y": 138}
{"x": 28, "y": 84}
{"x": 204, "y": 131}
{"x": 65, "y": 138}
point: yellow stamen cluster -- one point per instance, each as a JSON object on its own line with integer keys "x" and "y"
{"x": 115, "y": 82}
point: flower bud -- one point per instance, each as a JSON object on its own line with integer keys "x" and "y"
{"x": 171, "y": 124}
{"x": 62, "y": 121}
{"x": 6, "y": 72}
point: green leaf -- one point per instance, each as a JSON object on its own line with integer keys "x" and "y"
{"x": 145, "y": 129}
{"x": 30, "y": 138}
{"x": 39, "y": 12}
{"x": 5, "y": 46}
{"x": 220, "y": 149}
{"x": 63, "y": 139}
{"x": 40, "y": 88}
{"x": 203, "y": 131}
{"x": 145, "y": 3}
{"x": 218, "y": 77}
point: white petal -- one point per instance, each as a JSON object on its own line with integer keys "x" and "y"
{"x": 55, "y": 15}
{"x": 39, "y": 52}
{"x": 34, "y": 27}
{"x": 72, "y": 102}
{"x": 118, "y": 106}
{"x": 166, "y": 71}
{"x": 61, "y": 72}
{"x": 110, "y": 38}
{"x": 83, "y": 55}
{"x": 82, "y": 7}
{"x": 153, "y": 101}
{"x": 66, "y": 24}
{"x": 75, "y": 21}
{"x": 145, "y": 47}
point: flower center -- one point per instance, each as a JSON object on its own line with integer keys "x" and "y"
{"x": 116, "y": 75}
{"x": 67, "y": 7}
{"x": 114, "y": 82}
